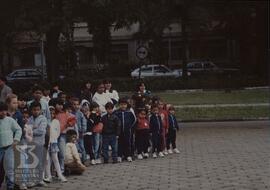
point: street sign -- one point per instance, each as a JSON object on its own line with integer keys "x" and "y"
{"x": 142, "y": 52}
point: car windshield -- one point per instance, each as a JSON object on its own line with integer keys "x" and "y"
{"x": 19, "y": 74}
{"x": 161, "y": 69}
{"x": 208, "y": 65}
{"x": 146, "y": 69}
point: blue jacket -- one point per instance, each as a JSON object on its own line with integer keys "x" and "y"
{"x": 39, "y": 126}
{"x": 155, "y": 124}
{"x": 81, "y": 121}
{"x": 127, "y": 119}
{"x": 173, "y": 125}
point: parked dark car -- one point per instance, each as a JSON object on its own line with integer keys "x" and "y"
{"x": 25, "y": 75}
{"x": 208, "y": 68}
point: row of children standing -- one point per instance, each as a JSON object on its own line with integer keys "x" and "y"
{"x": 79, "y": 129}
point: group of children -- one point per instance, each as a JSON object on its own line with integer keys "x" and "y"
{"x": 83, "y": 129}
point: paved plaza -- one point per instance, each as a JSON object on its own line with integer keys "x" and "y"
{"x": 214, "y": 155}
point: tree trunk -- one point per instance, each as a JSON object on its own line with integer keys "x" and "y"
{"x": 52, "y": 54}
{"x": 1, "y": 63}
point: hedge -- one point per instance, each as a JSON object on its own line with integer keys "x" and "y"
{"x": 158, "y": 84}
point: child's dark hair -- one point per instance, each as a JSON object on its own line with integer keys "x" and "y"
{"x": 171, "y": 108}
{"x": 34, "y": 105}
{"x": 93, "y": 106}
{"x": 2, "y": 78}
{"x": 70, "y": 133}
{"x": 123, "y": 101}
{"x": 56, "y": 101}
{"x": 37, "y": 88}
{"x": 61, "y": 94}
{"x": 142, "y": 109}
{"x": 74, "y": 99}
{"x": 139, "y": 84}
{"x": 3, "y": 106}
{"x": 109, "y": 105}
{"x": 154, "y": 106}
{"x": 67, "y": 106}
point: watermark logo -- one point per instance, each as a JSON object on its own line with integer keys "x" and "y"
{"x": 29, "y": 163}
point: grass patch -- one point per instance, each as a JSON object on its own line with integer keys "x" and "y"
{"x": 225, "y": 113}
{"x": 216, "y": 97}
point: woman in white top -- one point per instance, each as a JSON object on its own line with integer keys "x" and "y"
{"x": 112, "y": 94}
{"x": 53, "y": 149}
{"x": 101, "y": 98}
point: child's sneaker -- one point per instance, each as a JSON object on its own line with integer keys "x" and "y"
{"x": 165, "y": 152}
{"x": 47, "y": 179}
{"x": 62, "y": 179}
{"x": 93, "y": 162}
{"x": 98, "y": 161}
{"x": 129, "y": 159}
{"x": 161, "y": 154}
{"x": 170, "y": 151}
{"x": 140, "y": 157}
{"x": 154, "y": 155}
{"x": 119, "y": 159}
{"x": 146, "y": 155}
{"x": 176, "y": 150}
{"x": 23, "y": 186}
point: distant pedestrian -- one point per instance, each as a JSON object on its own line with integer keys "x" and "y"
{"x": 5, "y": 90}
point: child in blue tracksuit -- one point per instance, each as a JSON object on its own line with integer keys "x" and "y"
{"x": 171, "y": 136}
{"x": 128, "y": 120}
{"x": 156, "y": 131}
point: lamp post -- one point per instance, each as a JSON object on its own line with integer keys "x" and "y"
{"x": 42, "y": 56}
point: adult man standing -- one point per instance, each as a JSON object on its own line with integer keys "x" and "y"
{"x": 4, "y": 89}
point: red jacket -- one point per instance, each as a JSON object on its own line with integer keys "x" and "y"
{"x": 164, "y": 118}
{"x": 142, "y": 123}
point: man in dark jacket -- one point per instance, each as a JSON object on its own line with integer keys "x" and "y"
{"x": 4, "y": 89}
{"x": 110, "y": 133}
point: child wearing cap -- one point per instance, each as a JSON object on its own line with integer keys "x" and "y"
{"x": 173, "y": 126}
{"x": 128, "y": 120}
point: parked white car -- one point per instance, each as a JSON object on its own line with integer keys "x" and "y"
{"x": 156, "y": 71}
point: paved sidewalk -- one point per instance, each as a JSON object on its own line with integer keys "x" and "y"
{"x": 214, "y": 156}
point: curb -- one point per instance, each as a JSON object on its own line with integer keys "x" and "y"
{"x": 225, "y": 120}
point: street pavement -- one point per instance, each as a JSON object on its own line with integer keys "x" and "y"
{"x": 214, "y": 155}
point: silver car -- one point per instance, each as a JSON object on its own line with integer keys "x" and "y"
{"x": 155, "y": 71}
